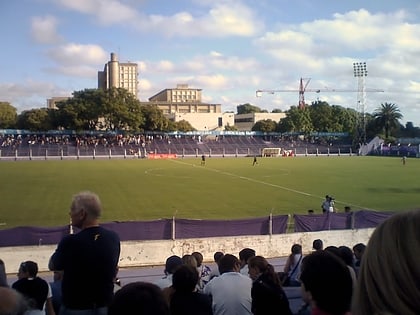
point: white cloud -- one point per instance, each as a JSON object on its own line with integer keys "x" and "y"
{"x": 105, "y": 11}
{"x": 43, "y": 30}
{"x": 78, "y": 54}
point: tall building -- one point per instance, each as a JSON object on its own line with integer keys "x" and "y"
{"x": 182, "y": 99}
{"x": 120, "y": 75}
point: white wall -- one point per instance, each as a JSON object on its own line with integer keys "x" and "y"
{"x": 151, "y": 253}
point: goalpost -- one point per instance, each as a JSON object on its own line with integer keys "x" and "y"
{"x": 271, "y": 152}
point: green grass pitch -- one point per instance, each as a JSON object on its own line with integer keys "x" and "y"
{"x": 38, "y": 193}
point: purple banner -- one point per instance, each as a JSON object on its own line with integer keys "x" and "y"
{"x": 28, "y": 235}
{"x": 368, "y": 219}
{"x": 187, "y": 228}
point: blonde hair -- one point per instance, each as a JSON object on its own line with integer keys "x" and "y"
{"x": 89, "y": 202}
{"x": 390, "y": 272}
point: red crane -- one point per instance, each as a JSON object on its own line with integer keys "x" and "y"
{"x": 303, "y": 88}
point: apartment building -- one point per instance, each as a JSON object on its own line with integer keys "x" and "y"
{"x": 120, "y": 75}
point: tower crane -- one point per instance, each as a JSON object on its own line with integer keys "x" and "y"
{"x": 303, "y": 88}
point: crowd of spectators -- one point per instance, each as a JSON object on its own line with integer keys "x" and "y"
{"x": 381, "y": 278}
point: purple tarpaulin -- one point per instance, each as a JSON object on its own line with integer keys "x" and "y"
{"x": 29, "y": 235}
{"x": 187, "y": 228}
{"x": 142, "y": 230}
{"x": 367, "y": 219}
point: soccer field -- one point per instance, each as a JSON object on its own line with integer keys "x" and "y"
{"x": 38, "y": 193}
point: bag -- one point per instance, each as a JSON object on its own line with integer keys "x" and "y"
{"x": 284, "y": 278}
{"x": 286, "y": 281}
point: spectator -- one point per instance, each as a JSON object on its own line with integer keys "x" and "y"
{"x": 185, "y": 300}
{"x": 231, "y": 291}
{"x": 215, "y": 271}
{"x": 326, "y": 284}
{"x": 346, "y": 254}
{"x": 358, "y": 251}
{"x": 325, "y": 206}
{"x": 12, "y": 302}
{"x": 389, "y": 274}
{"x": 267, "y": 293}
{"x": 203, "y": 270}
{"x": 189, "y": 260}
{"x": 88, "y": 259}
{"x": 292, "y": 267}
{"x": 56, "y": 290}
{"x": 140, "y": 298}
{"x": 3, "y": 276}
{"x": 172, "y": 263}
{"x": 244, "y": 255}
{"x": 36, "y": 291}
{"x": 317, "y": 245}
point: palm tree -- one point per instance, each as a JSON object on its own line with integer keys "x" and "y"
{"x": 387, "y": 116}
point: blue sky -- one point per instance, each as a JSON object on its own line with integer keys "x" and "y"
{"x": 228, "y": 48}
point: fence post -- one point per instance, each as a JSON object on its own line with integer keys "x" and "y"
{"x": 109, "y": 153}
{"x": 173, "y": 228}
{"x": 270, "y": 224}
{"x": 46, "y": 154}
{"x": 30, "y": 154}
{"x": 94, "y": 153}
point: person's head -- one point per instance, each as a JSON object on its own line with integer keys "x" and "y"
{"x": 333, "y": 250}
{"x": 172, "y": 263}
{"x": 85, "y": 209}
{"x": 198, "y": 257}
{"x": 229, "y": 263}
{"x": 245, "y": 254}
{"x": 389, "y": 274}
{"x": 296, "y": 249}
{"x": 347, "y": 209}
{"x": 27, "y": 269}
{"x": 141, "y": 298}
{"x": 358, "y": 250}
{"x": 185, "y": 279}
{"x": 217, "y": 256}
{"x": 258, "y": 265}
{"x": 346, "y": 255}
{"x": 12, "y": 302}
{"x": 317, "y": 244}
{"x": 326, "y": 282}
{"x": 189, "y": 260}
{"x": 3, "y": 276}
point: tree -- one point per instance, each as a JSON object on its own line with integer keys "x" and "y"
{"x": 154, "y": 119}
{"x": 266, "y": 125}
{"x": 387, "y": 117}
{"x": 37, "y": 119}
{"x": 184, "y": 126}
{"x": 8, "y": 115}
{"x": 120, "y": 110}
{"x": 230, "y": 128}
{"x": 248, "y": 108}
{"x": 82, "y": 111}
{"x": 296, "y": 120}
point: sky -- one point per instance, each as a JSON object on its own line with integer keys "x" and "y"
{"x": 227, "y": 48}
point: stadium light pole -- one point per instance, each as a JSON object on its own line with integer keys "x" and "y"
{"x": 360, "y": 72}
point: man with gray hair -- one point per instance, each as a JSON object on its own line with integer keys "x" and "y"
{"x": 88, "y": 259}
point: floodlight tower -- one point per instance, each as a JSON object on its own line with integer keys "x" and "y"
{"x": 360, "y": 72}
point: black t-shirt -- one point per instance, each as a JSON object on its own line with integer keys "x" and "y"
{"x": 89, "y": 260}
{"x": 35, "y": 291}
